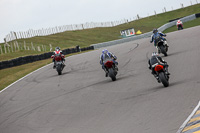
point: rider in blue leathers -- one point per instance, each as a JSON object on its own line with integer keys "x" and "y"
{"x": 106, "y": 54}
{"x": 156, "y": 33}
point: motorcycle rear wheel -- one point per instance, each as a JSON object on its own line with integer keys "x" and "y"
{"x": 163, "y": 79}
{"x": 59, "y": 70}
{"x": 111, "y": 74}
{"x": 162, "y": 48}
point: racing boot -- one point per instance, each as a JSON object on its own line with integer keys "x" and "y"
{"x": 106, "y": 74}
{"x": 54, "y": 65}
{"x": 116, "y": 68}
{"x": 166, "y": 70}
{"x": 156, "y": 76}
{"x": 165, "y": 43}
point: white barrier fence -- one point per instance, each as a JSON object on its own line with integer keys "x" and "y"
{"x": 162, "y": 28}
{"x": 58, "y": 29}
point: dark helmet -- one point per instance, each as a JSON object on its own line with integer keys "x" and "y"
{"x": 57, "y": 48}
{"x": 155, "y": 31}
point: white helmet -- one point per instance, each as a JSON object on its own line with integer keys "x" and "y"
{"x": 154, "y": 54}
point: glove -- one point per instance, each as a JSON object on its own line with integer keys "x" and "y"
{"x": 165, "y": 35}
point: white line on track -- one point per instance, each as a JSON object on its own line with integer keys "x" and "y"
{"x": 24, "y": 77}
{"x": 189, "y": 117}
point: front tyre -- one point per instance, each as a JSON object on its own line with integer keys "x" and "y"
{"x": 163, "y": 79}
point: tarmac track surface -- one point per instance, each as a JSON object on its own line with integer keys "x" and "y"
{"x": 82, "y": 100}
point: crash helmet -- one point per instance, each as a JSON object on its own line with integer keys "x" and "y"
{"x": 57, "y": 48}
{"x": 155, "y": 31}
{"x": 154, "y": 54}
{"x": 105, "y": 51}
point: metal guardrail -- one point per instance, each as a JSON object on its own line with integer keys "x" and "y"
{"x": 148, "y": 34}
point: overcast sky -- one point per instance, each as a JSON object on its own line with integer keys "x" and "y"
{"x": 22, "y": 15}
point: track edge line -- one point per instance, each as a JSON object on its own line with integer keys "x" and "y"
{"x": 189, "y": 117}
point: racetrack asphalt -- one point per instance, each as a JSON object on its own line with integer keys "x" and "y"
{"x": 83, "y": 100}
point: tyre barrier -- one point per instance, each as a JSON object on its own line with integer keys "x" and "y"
{"x": 32, "y": 58}
{"x": 197, "y": 15}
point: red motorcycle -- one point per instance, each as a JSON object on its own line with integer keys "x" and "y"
{"x": 59, "y": 63}
{"x": 112, "y": 70}
{"x": 161, "y": 72}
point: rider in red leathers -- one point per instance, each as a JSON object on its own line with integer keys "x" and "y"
{"x": 56, "y": 52}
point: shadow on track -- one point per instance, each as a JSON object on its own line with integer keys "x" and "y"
{"x": 176, "y": 53}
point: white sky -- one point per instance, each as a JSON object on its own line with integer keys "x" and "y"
{"x": 22, "y": 15}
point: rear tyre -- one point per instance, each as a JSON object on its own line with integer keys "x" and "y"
{"x": 163, "y": 79}
{"x": 111, "y": 74}
{"x": 163, "y": 50}
{"x": 59, "y": 70}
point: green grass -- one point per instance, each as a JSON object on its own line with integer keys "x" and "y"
{"x": 87, "y": 37}
{"x": 186, "y": 25}
{"x": 10, "y": 75}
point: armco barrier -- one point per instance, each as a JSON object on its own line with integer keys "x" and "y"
{"x": 31, "y": 58}
{"x": 162, "y": 28}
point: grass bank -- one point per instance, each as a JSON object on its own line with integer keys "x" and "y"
{"x": 186, "y": 25}
{"x": 10, "y": 75}
{"x": 86, "y": 37}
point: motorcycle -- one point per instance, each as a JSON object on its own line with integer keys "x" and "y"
{"x": 160, "y": 44}
{"x": 112, "y": 70}
{"x": 161, "y": 72}
{"x": 180, "y": 26}
{"x": 59, "y": 63}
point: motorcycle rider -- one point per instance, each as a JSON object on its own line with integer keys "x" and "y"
{"x": 156, "y": 59}
{"x": 156, "y": 33}
{"x": 179, "y": 23}
{"x": 106, "y": 54}
{"x": 58, "y": 51}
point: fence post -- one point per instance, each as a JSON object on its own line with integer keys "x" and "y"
{"x": 15, "y": 35}
{"x": 5, "y": 48}
{"x": 20, "y": 46}
{"x": 8, "y": 47}
{"x": 17, "y": 44}
{"x": 1, "y": 49}
{"x": 14, "y": 46}
{"x": 182, "y": 5}
{"x": 50, "y": 47}
{"x": 165, "y": 9}
{"x": 38, "y": 48}
{"x": 32, "y": 47}
{"x": 24, "y": 45}
{"x": 138, "y": 16}
{"x": 42, "y": 47}
{"x": 11, "y": 46}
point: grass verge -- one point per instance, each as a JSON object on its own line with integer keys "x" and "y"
{"x": 10, "y": 75}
